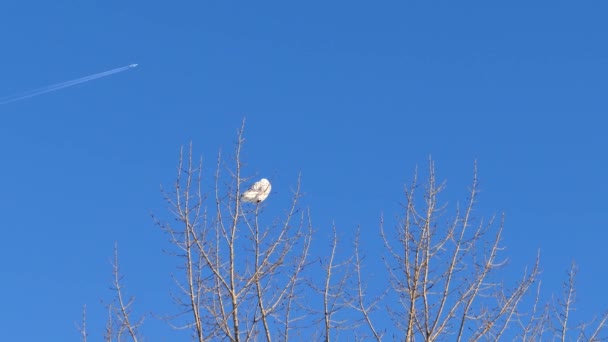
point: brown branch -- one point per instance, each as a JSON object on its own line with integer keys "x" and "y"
{"x": 566, "y": 305}
{"x": 123, "y": 310}
{"x": 364, "y": 309}
{"x": 440, "y": 274}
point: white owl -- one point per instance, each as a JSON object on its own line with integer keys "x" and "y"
{"x": 258, "y": 191}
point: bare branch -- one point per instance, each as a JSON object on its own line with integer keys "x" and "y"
{"x": 364, "y": 309}
{"x": 122, "y": 310}
{"x": 82, "y": 328}
{"x": 565, "y": 306}
{"x": 240, "y": 275}
{"x": 442, "y": 275}
{"x": 595, "y": 336}
{"x": 244, "y": 276}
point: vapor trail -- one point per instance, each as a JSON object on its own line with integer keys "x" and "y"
{"x": 62, "y": 85}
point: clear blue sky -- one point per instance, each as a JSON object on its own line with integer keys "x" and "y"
{"x": 343, "y": 91}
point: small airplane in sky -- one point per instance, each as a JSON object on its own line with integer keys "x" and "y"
{"x": 61, "y": 85}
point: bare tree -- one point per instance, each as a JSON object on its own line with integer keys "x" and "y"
{"x": 240, "y": 271}
{"x": 246, "y": 276}
{"x": 442, "y": 274}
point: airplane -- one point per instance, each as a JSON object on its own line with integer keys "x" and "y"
{"x": 133, "y": 65}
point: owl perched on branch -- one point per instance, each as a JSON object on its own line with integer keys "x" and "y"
{"x": 258, "y": 192}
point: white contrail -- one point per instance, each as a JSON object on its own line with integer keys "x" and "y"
{"x": 62, "y": 85}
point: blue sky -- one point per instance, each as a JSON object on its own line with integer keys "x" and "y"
{"x": 345, "y": 92}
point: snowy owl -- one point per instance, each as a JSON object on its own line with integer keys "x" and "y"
{"x": 258, "y": 191}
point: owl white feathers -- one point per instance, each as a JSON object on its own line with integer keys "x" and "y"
{"x": 258, "y": 191}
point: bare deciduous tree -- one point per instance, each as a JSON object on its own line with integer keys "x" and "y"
{"x": 245, "y": 277}
{"x": 442, "y": 274}
{"x": 240, "y": 273}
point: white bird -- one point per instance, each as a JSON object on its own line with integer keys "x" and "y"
{"x": 258, "y": 191}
